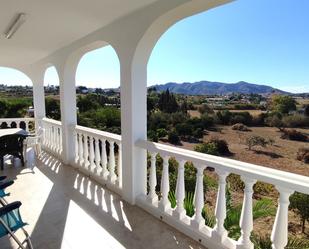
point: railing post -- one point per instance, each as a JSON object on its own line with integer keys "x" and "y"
{"x": 197, "y": 220}
{"x": 104, "y": 172}
{"x": 91, "y": 156}
{"x": 112, "y": 176}
{"x": 80, "y": 149}
{"x": 279, "y": 235}
{"x": 219, "y": 232}
{"x": 180, "y": 212}
{"x": 246, "y": 219}
{"x": 152, "y": 195}
{"x": 164, "y": 203}
{"x": 97, "y": 156}
{"x": 86, "y": 153}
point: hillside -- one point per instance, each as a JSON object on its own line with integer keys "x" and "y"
{"x": 218, "y": 88}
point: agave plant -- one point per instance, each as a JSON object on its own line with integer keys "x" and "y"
{"x": 188, "y": 203}
{"x": 264, "y": 242}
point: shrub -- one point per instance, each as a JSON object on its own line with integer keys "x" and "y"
{"x": 161, "y": 132}
{"x": 173, "y": 137}
{"x": 184, "y": 129}
{"x": 240, "y": 127}
{"x": 224, "y": 117}
{"x": 296, "y": 120}
{"x": 292, "y": 134}
{"x": 207, "y": 121}
{"x": 256, "y": 141}
{"x": 152, "y": 136}
{"x": 273, "y": 121}
{"x": 198, "y": 133}
{"x": 214, "y": 146}
{"x": 204, "y": 108}
{"x": 241, "y": 117}
{"x": 299, "y": 202}
{"x": 303, "y": 155}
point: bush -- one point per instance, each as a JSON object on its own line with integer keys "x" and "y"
{"x": 241, "y": 117}
{"x": 184, "y": 129}
{"x": 256, "y": 141}
{"x": 292, "y": 134}
{"x": 224, "y": 117}
{"x": 240, "y": 127}
{"x": 152, "y": 136}
{"x": 198, "y": 133}
{"x": 214, "y": 146}
{"x": 273, "y": 121}
{"x": 161, "y": 132}
{"x": 204, "y": 108}
{"x": 173, "y": 137}
{"x": 296, "y": 120}
{"x": 207, "y": 121}
{"x": 303, "y": 155}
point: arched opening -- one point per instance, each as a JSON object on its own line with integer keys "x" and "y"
{"x": 98, "y": 90}
{"x": 51, "y": 90}
{"x": 16, "y": 97}
{"x": 257, "y": 44}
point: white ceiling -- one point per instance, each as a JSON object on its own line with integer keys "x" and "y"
{"x": 52, "y": 24}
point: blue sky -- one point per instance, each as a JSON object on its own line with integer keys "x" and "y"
{"x": 258, "y": 41}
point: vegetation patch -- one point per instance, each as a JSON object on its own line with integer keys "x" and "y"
{"x": 303, "y": 155}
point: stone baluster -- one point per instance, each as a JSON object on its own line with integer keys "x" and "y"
{"x": 164, "y": 203}
{"x": 76, "y": 147}
{"x": 60, "y": 140}
{"x": 80, "y": 149}
{"x": 27, "y": 125}
{"x": 119, "y": 166}
{"x": 97, "y": 156}
{"x": 219, "y": 232}
{"x": 180, "y": 212}
{"x": 152, "y": 195}
{"x": 86, "y": 153}
{"x": 279, "y": 235}
{"x": 246, "y": 218}
{"x": 104, "y": 171}
{"x": 198, "y": 220}
{"x": 111, "y": 166}
{"x": 91, "y": 154}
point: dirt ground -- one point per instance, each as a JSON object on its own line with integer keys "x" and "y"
{"x": 281, "y": 155}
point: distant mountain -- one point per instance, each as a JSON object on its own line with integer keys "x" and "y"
{"x": 217, "y": 88}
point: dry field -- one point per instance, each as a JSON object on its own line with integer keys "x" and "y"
{"x": 281, "y": 155}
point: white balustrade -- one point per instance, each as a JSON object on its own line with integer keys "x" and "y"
{"x": 93, "y": 158}
{"x": 52, "y": 136}
{"x": 19, "y": 123}
{"x": 195, "y": 227}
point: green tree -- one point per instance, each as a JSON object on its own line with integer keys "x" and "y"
{"x": 300, "y": 203}
{"x": 167, "y": 102}
{"x": 283, "y": 103}
{"x": 52, "y": 107}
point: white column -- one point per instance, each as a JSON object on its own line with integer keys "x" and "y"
{"x": 246, "y": 219}
{"x": 198, "y": 220}
{"x": 68, "y": 111}
{"x": 219, "y": 232}
{"x": 152, "y": 195}
{"x": 86, "y": 153}
{"x": 279, "y": 235}
{"x": 38, "y": 97}
{"x": 164, "y": 203}
{"x": 133, "y": 127}
{"x": 180, "y": 212}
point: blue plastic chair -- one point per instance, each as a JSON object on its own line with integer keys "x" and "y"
{"x": 11, "y": 221}
{"x": 3, "y": 193}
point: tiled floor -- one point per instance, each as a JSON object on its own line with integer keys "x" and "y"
{"x": 65, "y": 209}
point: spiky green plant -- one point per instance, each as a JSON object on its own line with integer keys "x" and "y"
{"x": 264, "y": 242}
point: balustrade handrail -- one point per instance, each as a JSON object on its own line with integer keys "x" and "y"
{"x": 52, "y": 121}
{"x": 276, "y": 177}
{"x": 95, "y": 132}
{"x": 16, "y": 119}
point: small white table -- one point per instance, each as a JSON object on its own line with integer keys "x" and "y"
{"x": 11, "y": 131}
